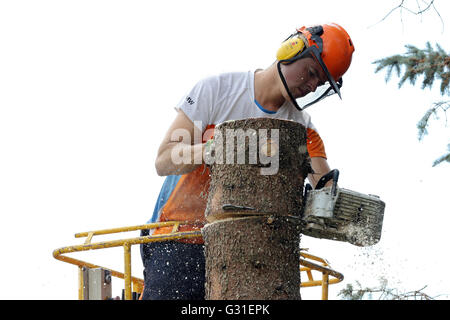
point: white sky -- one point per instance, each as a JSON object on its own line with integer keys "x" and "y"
{"x": 87, "y": 90}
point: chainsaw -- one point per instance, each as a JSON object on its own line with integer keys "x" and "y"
{"x": 340, "y": 214}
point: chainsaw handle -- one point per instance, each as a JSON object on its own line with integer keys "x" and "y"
{"x": 333, "y": 174}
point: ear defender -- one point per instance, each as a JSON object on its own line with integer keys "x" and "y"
{"x": 290, "y": 48}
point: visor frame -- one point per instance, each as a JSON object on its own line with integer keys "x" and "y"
{"x": 316, "y": 54}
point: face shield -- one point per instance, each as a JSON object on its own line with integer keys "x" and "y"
{"x": 329, "y": 88}
{"x": 321, "y": 93}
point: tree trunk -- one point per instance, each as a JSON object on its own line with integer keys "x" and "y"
{"x": 252, "y": 258}
{"x": 253, "y": 209}
{"x": 273, "y": 183}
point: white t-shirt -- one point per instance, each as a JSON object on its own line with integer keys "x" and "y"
{"x": 231, "y": 96}
{"x": 213, "y": 100}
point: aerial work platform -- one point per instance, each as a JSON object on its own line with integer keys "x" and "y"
{"x": 95, "y": 280}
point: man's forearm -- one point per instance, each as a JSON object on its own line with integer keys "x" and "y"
{"x": 179, "y": 158}
{"x": 320, "y": 167}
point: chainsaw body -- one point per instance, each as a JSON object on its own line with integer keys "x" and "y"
{"x": 340, "y": 214}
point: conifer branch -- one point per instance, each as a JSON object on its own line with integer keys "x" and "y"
{"x": 429, "y": 63}
{"x": 433, "y": 65}
{"x": 383, "y": 292}
{"x": 423, "y": 124}
{"x": 404, "y": 5}
{"x": 444, "y": 158}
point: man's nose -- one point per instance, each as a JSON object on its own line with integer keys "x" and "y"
{"x": 313, "y": 84}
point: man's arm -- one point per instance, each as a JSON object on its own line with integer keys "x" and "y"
{"x": 178, "y": 152}
{"x": 178, "y": 146}
{"x": 320, "y": 167}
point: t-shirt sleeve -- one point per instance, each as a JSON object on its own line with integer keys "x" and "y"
{"x": 197, "y": 103}
{"x": 314, "y": 143}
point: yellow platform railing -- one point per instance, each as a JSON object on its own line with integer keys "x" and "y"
{"x": 307, "y": 266}
{"x": 133, "y": 284}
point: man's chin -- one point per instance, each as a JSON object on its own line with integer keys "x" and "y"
{"x": 299, "y": 93}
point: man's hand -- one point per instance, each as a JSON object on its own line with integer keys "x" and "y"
{"x": 320, "y": 167}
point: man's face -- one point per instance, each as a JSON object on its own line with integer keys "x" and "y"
{"x": 303, "y": 76}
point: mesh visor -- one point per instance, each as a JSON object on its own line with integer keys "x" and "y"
{"x": 333, "y": 84}
{"x": 329, "y": 88}
{"x": 321, "y": 93}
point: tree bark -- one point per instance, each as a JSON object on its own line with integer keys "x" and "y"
{"x": 253, "y": 235}
{"x": 252, "y": 258}
{"x": 238, "y": 189}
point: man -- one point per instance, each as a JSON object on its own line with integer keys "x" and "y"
{"x": 312, "y": 58}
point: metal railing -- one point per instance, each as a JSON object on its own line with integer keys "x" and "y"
{"x": 133, "y": 284}
{"x": 306, "y": 265}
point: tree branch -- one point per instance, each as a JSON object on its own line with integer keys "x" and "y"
{"x": 386, "y": 293}
{"x": 403, "y": 5}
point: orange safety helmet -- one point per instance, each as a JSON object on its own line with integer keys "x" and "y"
{"x": 337, "y": 48}
{"x": 330, "y": 44}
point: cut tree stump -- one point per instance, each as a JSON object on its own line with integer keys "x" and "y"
{"x": 252, "y": 237}
{"x": 273, "y": 184}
